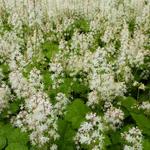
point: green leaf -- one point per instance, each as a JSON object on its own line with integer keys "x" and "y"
{"x": 14, "y": 107}
{"x": 146, "y": 144}
{"x": 82, "y": 24}
{"x": 129, "y": 103}
{"x": 107, "y": 141}
{"x": 143, "y": 122}
{"x": 16, "y": 146}
{"x": 2, "y": 142}
{"x": 115, "y": 137}
{"x": 27, "y": 69}
{"x": 115, "y": 147}
{"x": 76, "y": 113}
{"x": 13, "y": 137}
{"x": 79, "y": 88}
{"x": 5, "y": 68}
{"x": 144, "y": 96}
{"x": 50, "y": 49}
{"x": 46, "y": 79}
{"x": 67, "y": 134}
{"x": 131, "y": 25}
{"x": 5, "y": 130}
{"x": 66, "y": 86}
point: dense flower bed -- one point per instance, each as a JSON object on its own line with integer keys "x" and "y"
{"x": 75, "y": 74}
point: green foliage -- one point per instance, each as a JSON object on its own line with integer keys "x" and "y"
{"x": 146, "y": 144}
{"x": 49, "y": 49}
{"x": 27, "y": 69}
{"x": 78, "y": 87}
{"x": 131, "y": 25}
{"x": 13, "y": 137}
{"x": 66, "y": 86}
{"x": 115, "y": 137}
{"x": 16, "y": 146}
{"x": 47, "y": 79}
{"x": 2, "y": 142}
{"x": 14, "y": 107}
{"x": 107, "y": 141}
{"x": 5, "y": 25}
{"x": 5, "y": 68}
{"x": 66, "y": 135}
{"x": 129, "y": 103}
{"x": 82, "y": 24}
{"x": 143, "y": 122}
{"x": 76, "y": 112}
{"x": 115, "y": 147}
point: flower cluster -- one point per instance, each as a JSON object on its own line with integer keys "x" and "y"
{"x": 145, "y": 106}
{"x": 61, "y": 102}
{"x": 133, "y": 138}
{"x": 4, "y": 96}
{"x": 57, "y": 74}
{"x": 35, "y": 78}
{"x": 114, "y": 117}
{"x": 91, "y": 132}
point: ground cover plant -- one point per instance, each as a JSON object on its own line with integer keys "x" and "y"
{"x": 74, "y": 74}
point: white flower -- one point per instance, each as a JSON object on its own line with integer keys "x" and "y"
{"x": 135, "y": 83}
{"x": 56, "y": 68}
{"x": 91, "y": 131}
{"x": 92, "y": 98}
{"x": 145, "y": 106}
{"x": 134, "y": 137}
{"x": 114, "y": 117}
{"x": 4, "y": 96}
{"x": 142, "y": 87}
{"x": 43, "y": 140}
{"x": 127, "y": 147}
{"x": 61, "y": 103}
{"x": 35, "y": 78}
{"x": 53, "y": 147}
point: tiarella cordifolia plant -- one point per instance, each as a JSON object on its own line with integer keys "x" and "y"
{"x": 75, "y": 74}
